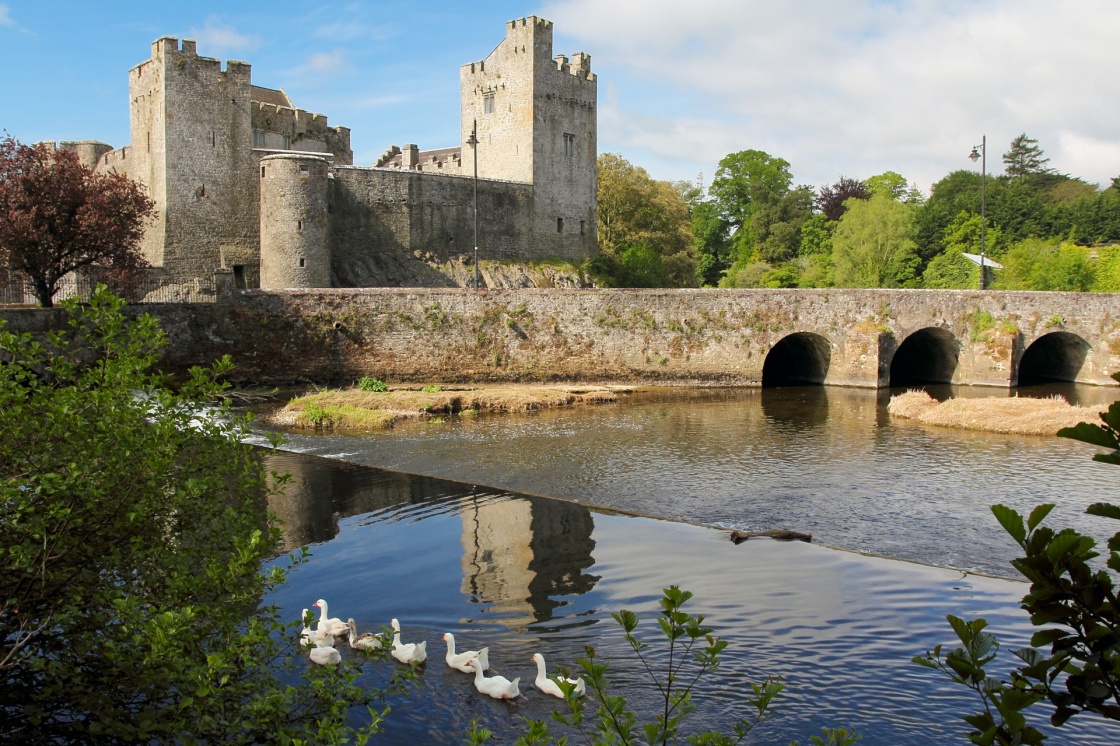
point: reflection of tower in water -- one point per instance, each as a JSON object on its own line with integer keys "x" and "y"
{"x": 520, "y": 556}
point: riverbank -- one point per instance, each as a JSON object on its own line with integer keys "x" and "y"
{"x": 1014, "y": 415}
{"x": 354, "y": 410}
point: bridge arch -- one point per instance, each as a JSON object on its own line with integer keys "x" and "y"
{"x": 929, "y": 355}
{"x": 1057, "y": 356}
{"x": 799, "y": 359}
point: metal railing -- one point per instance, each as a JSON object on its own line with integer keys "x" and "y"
{"x": 16, "y": 289}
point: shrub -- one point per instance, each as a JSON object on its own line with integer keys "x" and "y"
{"x": 132, "y": 537}
{"x": 368, "y": 383}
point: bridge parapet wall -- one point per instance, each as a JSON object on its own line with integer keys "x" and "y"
{"x": 718, "y": 337}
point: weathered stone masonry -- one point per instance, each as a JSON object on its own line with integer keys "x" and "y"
{"x": 206, "y": 143}
{"x": 866, "y": 338}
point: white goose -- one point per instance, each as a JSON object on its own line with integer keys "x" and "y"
{"x": 498, "y": 687}
{"x": 412, "y": 652}
{"x": 462, "y": 660}
{"x": 331, "y": 626}
{"x": 364, "y": 641}
{"x": 548, "y": 686}
{"x": 309, "y": 637}
{"x": 324, "y": 654}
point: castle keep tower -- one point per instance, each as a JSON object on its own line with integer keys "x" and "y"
{"x": 536, "y": 118}
{"x": 295, "y": 225}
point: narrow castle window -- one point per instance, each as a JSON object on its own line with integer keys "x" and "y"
{"x": 581, "y": 226}
{"x": 299, "y": 225}
{"x": 569, "y": 145}
{"x": 213, "y": 139}
{"x": 262, "y": 172}
{"x": 287, "y": 142}
{"x": 301, "y": 261}
{"x": 488, "y": 102}
{"x": 559, "y": 225}
{"x": 239, "y": 276}
{"x": 304, "y": 170}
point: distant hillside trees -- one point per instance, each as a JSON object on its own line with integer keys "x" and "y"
{"x": 755, "y": 228}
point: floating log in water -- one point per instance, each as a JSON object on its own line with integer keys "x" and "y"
{"x": 780, "y": 534}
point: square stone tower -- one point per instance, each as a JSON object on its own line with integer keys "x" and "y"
{"x": 536, "y": 123}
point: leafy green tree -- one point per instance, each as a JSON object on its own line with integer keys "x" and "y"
{"x": 132, "y": 537}
{"x": 816, "y": 236}
{"x": 776, "y": 224}
{"x": 636, "y": 210}
{"x": 873, "y": 244}
{"x": 956, "y": 193}
{"x": 57, "y": 216}
{"x": 1045, "y": 264}
{"x": 1025, "y": 158}
{"x": 1107, "y": 276}
{"x": 1074, "y": 604}
{"x": 747, "y": 179}
{"x": 642, "y": 267}
{"x": 951, "y": 271}
{"x": 893, "y": 185}
{"x": 712, "y": 239}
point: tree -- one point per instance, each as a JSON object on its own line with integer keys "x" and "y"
{"x": 776, "y": 224}
{"x": 873, "y": 246}
{"x": 895, "y": 186}
{"x": 132, "y": 537}
{"x": 1025, "y": 158}
{"x": 1045, "y": 264}
{"x": 830, "y": 201}
{"x": 744, "y": 181}
{"x": 58, "y": 216}
{"x": 711, "y": 236}
{"x": 637, "y": 210}
{"x": 1071, "y": 598}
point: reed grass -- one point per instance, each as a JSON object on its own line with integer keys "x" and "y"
{"x": 995, "y": 414}
{"x": 355, "y": 410}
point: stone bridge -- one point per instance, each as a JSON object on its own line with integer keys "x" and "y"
{"x": 846, "y": 337}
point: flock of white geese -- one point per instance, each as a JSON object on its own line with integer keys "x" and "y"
{"x": 321, "y": 640}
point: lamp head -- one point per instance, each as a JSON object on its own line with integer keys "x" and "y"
{"x": 974, "y": 155}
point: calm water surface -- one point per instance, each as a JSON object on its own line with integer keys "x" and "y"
{"x": 825, "y": 461}
{"x": 528, "y": 574}
{"x": 524, "y": 574}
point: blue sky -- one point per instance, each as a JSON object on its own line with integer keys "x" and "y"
{"x": 851, "y": 87}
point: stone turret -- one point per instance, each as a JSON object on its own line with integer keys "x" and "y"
{"x": 295, "y": 221}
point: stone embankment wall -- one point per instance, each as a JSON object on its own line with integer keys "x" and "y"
{"x": 719, "y": 337}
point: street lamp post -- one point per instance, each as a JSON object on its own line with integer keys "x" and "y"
{"x": 473, "y": 142}
{"x": 982, "y": 154}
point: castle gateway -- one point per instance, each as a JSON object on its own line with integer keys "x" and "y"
{"x": 245, "y": 181}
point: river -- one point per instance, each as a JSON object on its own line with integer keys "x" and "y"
{"x": 485, "y": 557}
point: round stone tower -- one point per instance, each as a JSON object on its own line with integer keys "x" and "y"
{"x": 295, "y": 224}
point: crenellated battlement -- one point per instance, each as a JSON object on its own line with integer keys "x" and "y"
{"x": 528, "y": 22}
{"x": 169, "y": 49}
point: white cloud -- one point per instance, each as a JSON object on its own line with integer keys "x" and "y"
{"x": 220, "y": 39}
{"x": 856, "y": 88}
{"x": 326, "y": 62}
{"x": 5, "y": 17}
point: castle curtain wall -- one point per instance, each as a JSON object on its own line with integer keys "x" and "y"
{"x": 379, "y": 212}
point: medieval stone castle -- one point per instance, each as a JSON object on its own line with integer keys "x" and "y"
{"x": 245, "y": 182}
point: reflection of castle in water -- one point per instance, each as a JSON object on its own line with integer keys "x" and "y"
{"x": 521, "y": 555}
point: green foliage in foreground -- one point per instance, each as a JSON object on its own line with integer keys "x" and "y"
{"x": 132, "y": 539}
{"x": 691, "y": 651}
{"x": 1074, "y": 658}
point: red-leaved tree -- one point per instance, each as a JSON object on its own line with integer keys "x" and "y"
{"x": 57, "y": 215}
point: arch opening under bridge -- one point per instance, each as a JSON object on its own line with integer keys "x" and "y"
{"x": 928, "y": 356}
{"x": 800, "y": 359}
{"x": 1057, "y": 356}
